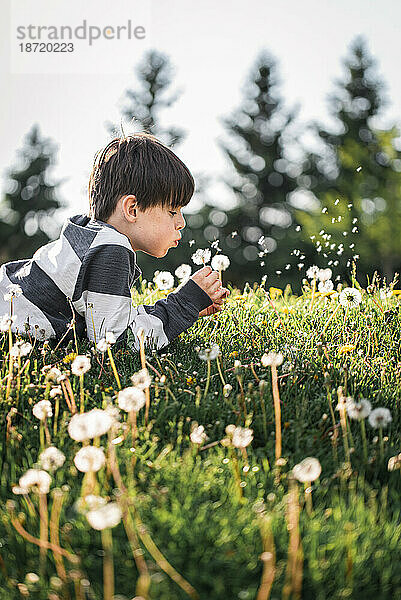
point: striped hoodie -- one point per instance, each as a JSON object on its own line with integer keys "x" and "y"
{"x": 90, "y": 270}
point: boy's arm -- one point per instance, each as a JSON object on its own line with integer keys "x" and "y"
{"x": 170, "y": 316}
{"x": 103, "y": 294}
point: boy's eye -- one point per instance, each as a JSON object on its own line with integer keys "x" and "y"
{"x": 172, "y": 212}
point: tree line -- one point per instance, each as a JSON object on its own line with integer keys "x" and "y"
{"x": 336, "y": 205}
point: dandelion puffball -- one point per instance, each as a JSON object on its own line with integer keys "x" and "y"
{"x": 164, "y": 280}
{"x": 51, "y": 459}
{"x": 357, "y": 410}
{"x": 141, "y": 379}
{"x": 220, "y": 262}
{"x": 209, "y": 353}
{"x": 36, "y": 480}
{"x": 272, "y": 359}
{"x": 89, "y": 459}
{"x": 201, "y": 257}
{"x": 88, "y": 425}
{"x": 241, "y": 437}
{"x": 350, "y": 298}
{"x": 80, "y": 365}
{"x": 131, "y": 399}
{"x": 183, "y": 272}
{"x": 380, "y": 417}
{"x": 42, "y": 410}
{"x": 312, "y": 272}
{"x": 325, "y": 287}
{"x": 105, "y": 517}
{"x": 198, "y": 435}
{"x": 307, "y": 470}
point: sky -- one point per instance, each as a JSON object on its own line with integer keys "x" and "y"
{"x": 212, "y": 46}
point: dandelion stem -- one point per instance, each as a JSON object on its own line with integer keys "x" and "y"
{"x": 81, "y": 393}
{"x": 44, "y": 526}
{"x": 293, "y": 575}
{"x": 108, "y": 566}
{"x": 113, "y": 366}
{"x": 364, "y": 442}
{"x": 313, "y": 294}
{"x": 268, "y": 557}
{"x": 220, "y": 372}
{"x": 207, "y": 379}
{"x": 277, "y": 411}
{"x": 58, "y": 498}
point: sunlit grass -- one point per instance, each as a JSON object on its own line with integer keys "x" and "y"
{"x": 201, "y": 500}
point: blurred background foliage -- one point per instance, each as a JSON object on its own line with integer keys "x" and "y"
{"x": 330, "y": 201}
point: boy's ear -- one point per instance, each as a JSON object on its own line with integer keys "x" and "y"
{"x": 130, "y": 205}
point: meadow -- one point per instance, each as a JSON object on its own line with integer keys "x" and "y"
{"x": 255, "y": 457}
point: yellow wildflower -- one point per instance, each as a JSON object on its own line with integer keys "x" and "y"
{"x": 275, "y": 292}
{"x": 233, "y": 354}
{"x": 191, "y": 380}
{"x": 346, "y": 348}
{"x": 69, "y": 358}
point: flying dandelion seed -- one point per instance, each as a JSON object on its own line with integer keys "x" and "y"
{"x": 191, "y": 242}
{"x": 298, "y": 228}
{"x": 234, "y": 233}
{"x": 336, "y": 201}
{"x": 324, "y": 210}
{"x": 312, "y": 272}
{"x": 359, "y": 169}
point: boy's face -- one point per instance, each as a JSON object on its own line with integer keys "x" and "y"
{"x": 156, "y": 230}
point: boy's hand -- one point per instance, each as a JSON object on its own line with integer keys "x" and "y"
{"x": 210, "y": 283}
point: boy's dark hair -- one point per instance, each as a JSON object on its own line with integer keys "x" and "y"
{"x": 141, "y": 165}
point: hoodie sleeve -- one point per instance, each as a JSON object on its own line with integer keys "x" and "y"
{"x": 103, "y": 294}
{"x": 170, "y": 316}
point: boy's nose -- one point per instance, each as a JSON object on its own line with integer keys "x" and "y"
{"x": 182, "y": 223}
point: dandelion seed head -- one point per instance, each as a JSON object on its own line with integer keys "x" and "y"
{"x": 350, "y": 297}
{"x": 209, "y": 353}
{"x": 198, "y": 434}
{"x": 220, "y": 262}
{"x": 380, "y": 417}
{"x": 35, "y": 480}
{"x": 358, "y": 410}
{"x": 201, "y": 257}
{"x": 307, "y": 470}
{"x": 105, "y": 517}
{"x": 89, "y": 425}
{"x": 80, "y": 365}
{"x": 131, "y": 399}
{"x": 89, "y": 459}
{"x": 42, "y": 410}
{"x": 164, "y": 280}
{"x": 183, "y": 272}
{"x": 272, "y": 359}
{"x": 51, "y": 459}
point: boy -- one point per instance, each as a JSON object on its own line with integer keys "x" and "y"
{"x": 136, "y": 191}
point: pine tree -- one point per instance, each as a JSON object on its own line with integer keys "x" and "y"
{"x": 29, "y": 205}
{"x": 145, "y": 102}
{"x": 356, "y": 176}
{"x": 266, "y": 178}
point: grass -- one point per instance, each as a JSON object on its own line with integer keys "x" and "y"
{"x": 215, "y": 522}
